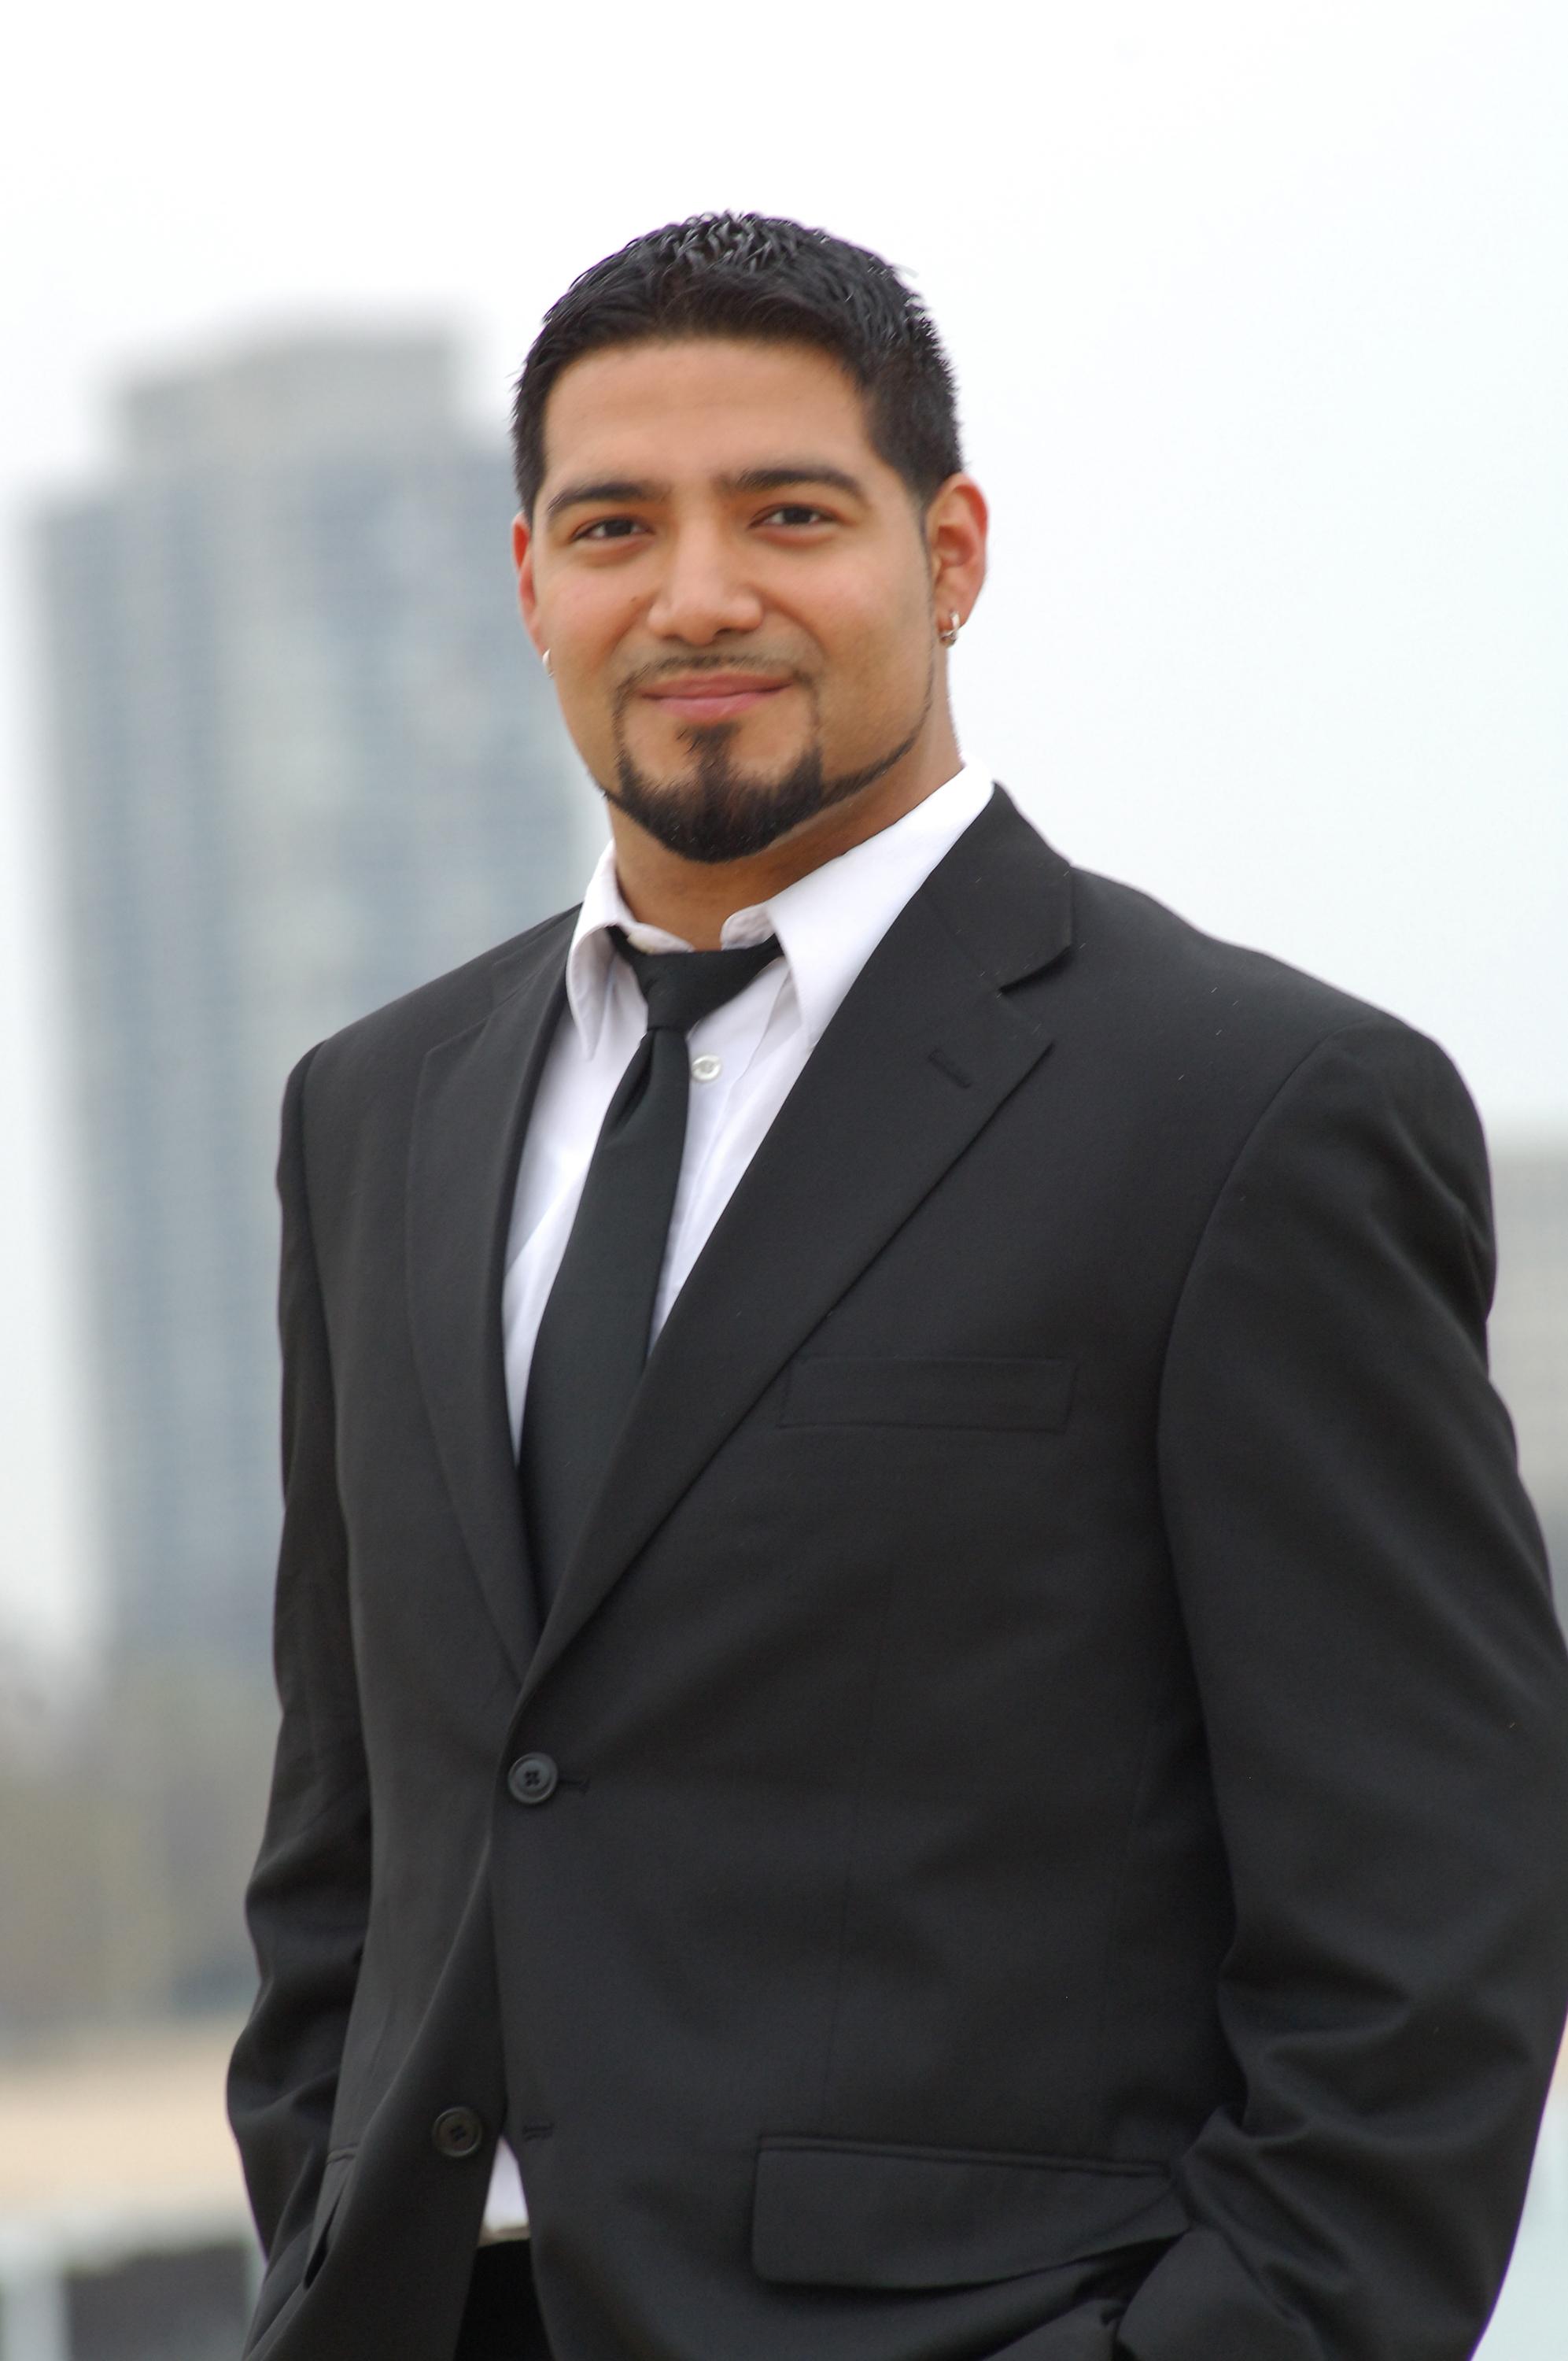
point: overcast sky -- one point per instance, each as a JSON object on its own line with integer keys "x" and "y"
{"x": 1258, "y": 313}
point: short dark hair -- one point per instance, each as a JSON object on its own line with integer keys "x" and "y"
{"x": 756, "y": 276}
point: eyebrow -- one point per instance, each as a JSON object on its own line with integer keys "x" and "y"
{"x": 780, "y": 479}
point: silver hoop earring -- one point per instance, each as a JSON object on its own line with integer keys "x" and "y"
{"x": 545, "y": 660}
{"x": 949, "y": 638}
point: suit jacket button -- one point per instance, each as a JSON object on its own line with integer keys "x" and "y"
{"x": 457, "y": 2132}
{"x": 533, "y": 1779}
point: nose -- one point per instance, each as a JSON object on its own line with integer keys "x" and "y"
{"x": 703, "y": 589}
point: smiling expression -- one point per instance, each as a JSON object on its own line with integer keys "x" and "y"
{"x": 734, "y": 587}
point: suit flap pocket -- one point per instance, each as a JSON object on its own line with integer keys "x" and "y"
{"x": 1018, "y": 1394}
{"x": 834, "y": 2213}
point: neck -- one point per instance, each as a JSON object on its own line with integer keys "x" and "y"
{"x": 692, "y": 898}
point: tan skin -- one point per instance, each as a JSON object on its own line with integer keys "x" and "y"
{"x": 727, "y": 553}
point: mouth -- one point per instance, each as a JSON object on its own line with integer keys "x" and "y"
{"x": 713, "y": 697}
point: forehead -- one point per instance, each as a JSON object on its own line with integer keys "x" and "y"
{"x": 707, "y": 404}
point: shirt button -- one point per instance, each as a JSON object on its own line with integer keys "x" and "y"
{"x": 707, "y": 1070}
{"x": 533, "y": 1779}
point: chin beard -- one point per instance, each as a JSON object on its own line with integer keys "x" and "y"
{"x": 725, "y": 814}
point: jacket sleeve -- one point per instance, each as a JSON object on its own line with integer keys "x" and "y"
{"x": 309, "y": 1896}
{"x": 1385, "y": 1701}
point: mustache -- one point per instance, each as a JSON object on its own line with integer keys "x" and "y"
{"x": 683, "y": 667}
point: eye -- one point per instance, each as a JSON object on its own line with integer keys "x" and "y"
{"x": 794, "y": 512}
{"x": 615, "y": 528}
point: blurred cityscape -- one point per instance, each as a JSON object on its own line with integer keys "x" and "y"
{"x": 303, "y": 759}
{"x": 300, "y": 759}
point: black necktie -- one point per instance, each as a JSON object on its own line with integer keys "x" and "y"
{"x": 593, "y": 1338}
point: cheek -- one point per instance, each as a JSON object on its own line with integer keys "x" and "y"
{"x": 586, "y": 621}
{"x": 584, "y": 634}
{"x": 891, "y": 610}
{"x": 880, "y": 652}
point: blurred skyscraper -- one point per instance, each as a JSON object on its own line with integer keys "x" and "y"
{"x": 302, "y": 758}
{"x": 1529, "y": 1329}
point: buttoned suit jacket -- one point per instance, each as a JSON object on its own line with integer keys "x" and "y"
{"x": 1055, "y": 1734}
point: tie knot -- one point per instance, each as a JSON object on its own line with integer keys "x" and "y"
{"x": 681, "y": 988}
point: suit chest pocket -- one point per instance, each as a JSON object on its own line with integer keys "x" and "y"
{"x": 998, "y": 1396}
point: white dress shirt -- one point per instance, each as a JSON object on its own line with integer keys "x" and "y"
{"x": 745, "y": 1060}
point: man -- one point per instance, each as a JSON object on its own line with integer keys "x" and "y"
{"x": 1005, "y": 1794}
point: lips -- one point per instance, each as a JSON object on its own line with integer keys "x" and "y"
{"x": 713, "y": 697}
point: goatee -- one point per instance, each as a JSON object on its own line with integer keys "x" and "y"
{"x": 727, "y": 814}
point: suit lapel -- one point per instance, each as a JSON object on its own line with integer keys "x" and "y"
{"x": 476, "y": 1091}
{"x": 925, "y": 1048}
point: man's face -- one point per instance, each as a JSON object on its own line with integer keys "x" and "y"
{"x": 734, "y": 588}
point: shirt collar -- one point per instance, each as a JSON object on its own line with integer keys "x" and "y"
{"x": 591, "y": 958}
{"x": 828, "y": 922}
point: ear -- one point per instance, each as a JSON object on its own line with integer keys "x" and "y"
{"x": 527, "y": 596}
{"x": 956, "y": 522}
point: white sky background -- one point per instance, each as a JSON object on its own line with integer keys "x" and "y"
{"x": 1258, "y": 316}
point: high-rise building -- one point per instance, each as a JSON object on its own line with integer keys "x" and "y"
{"x": 1529, "y": 1328}
{"x": 302, "y": 758}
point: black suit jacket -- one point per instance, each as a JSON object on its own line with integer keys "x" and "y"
{"x": 1059, "y": 1736}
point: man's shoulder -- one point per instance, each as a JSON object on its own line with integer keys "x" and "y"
{"x": 396, "y": 1037}
{"x": 1129, "y": 943}
{"x": 1134, "y": 968}
{"x": 1207, "y": 1039}
{"x": 1158, "y": 949}
{"x": 1206, "y": 1036}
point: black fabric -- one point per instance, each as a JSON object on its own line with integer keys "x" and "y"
{"x": 840, "y": 2213}
{"x": 1072, "y": 1863}
{"x": 592, "y": 1337}
{"x": 500, "y": 2317}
